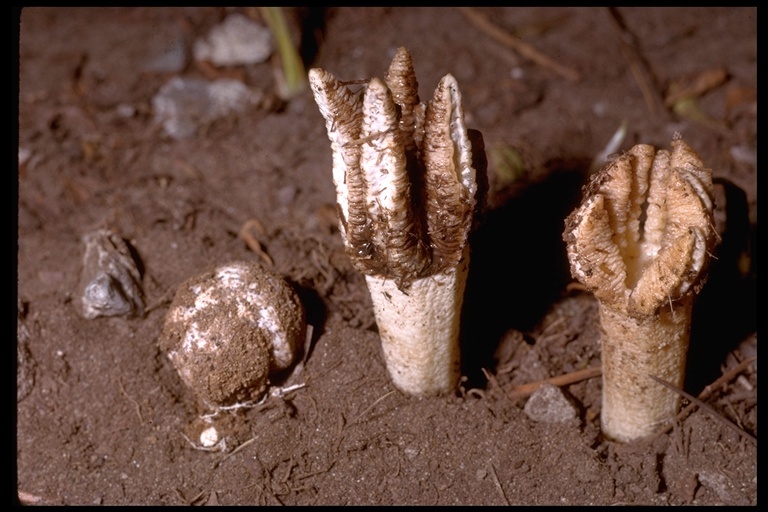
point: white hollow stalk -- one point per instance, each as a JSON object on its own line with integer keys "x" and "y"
{"x": 406, "y": 187}
{"x": 419, "y": 328}
{"x": 641, "y": 242}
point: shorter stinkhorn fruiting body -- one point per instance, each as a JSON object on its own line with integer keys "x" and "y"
{"x": 641, "y": 241}
{"x": 409, "y": 179}
{"x": 229, "y": 328}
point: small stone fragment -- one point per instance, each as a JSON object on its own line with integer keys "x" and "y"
{"x": 25, "y": 364}
{"x": 111, "y": 281}
{"x": 548, "y": 404}
{"x": 722, "y": 486}
{"x": 182, "y": 105}
{"x": 209, "y": 437}
{"x": 236, "y": 41}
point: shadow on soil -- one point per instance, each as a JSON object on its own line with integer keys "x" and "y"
{"x": 519, "y": 265}
{"x": 726, "y": 310}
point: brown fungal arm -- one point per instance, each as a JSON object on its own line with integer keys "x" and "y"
{"x": 644, "y": 233}
{"x": 401, "y": 80}
{"x": 404, "y": 171}
{"x": 393, "y": 235}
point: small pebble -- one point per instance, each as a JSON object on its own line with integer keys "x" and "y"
{"x": 236, "y": 41}
{"x": 111, "y": 282}
{"x": 548, "y": 404}
{"x": 182, "y": 105}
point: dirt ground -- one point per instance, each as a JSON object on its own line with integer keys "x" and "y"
{"x": 103, "y": 417}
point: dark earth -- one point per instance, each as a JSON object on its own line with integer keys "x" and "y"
{"x": 102, "y": 416}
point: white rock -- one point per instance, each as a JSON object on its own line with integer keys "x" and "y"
{"x": 237, "y": 40}
{"x": 182, "y": 105}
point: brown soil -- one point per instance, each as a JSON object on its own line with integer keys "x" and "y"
{"x": 102, "y": 414}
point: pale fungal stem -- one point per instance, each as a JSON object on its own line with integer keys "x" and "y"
{"x": 406, "y": 177}
{"x": 641, "y": 243}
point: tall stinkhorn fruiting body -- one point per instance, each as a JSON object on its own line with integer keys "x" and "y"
{"x": 406, "y": 190}
{"x": 641, "y": 241}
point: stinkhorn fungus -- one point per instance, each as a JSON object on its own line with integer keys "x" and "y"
{"x": 406, "y": 176}
{"x": 641, "y": 241}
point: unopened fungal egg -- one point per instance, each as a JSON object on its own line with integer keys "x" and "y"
{"x": 229, "y": 328}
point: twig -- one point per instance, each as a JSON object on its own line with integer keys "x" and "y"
{"x": 197, "y": 498}
{"x": 708, "y": 408}
{"x": 252, "y": 242}
{"x": 561, "y": 380}
{"x": 165, "y": 299}
{"x": 251, "y": 440}
{"x": 576, "y": 286}
{"x": 708, "y": 390}
{"x": 130, "y": 399}
{"x": 372, "y": 405}
{"x": 498, "y": 484}
{"x": 491, "y": 378}
{"x": 639, "y": 67}
{"x": 693, "y": 86}
{"x": 549, "y": 327}
{"x": 29, "y": 499}
{"x": 316, "y": 472}
{"x": 525, "y": 50}
{"x": 612, "y": 147}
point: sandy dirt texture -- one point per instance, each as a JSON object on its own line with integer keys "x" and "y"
{"x": 102, "y": 416}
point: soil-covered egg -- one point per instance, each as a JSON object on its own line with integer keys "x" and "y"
{"x": 228, "y": 328}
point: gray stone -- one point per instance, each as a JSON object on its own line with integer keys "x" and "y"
{"x": 236, "y": 41}
{"x": 548, "y": 404}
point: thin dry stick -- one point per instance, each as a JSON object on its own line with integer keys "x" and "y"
{"x": 639, "y": 67}
{"x": 576, "y": 286}
{"x": 525, "y": 50}
{"x": 491, "y": 378}
{"x": 246, "y": 443}
{"x": 498, "y": 484}
{"x": 131, "y": 399}
{"x": 711, "y": 410}
{"x": 708, "y": 390}
{"x": 316, "y": 472}
{"x": 165, "y": 299}
{"x": 29, "y": 499}
{"x": 561, "y": 380}
{"x": 252, "y": 242}
{"x": 372, "y": 406}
